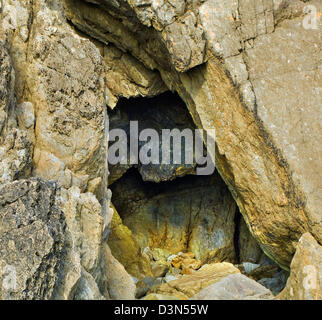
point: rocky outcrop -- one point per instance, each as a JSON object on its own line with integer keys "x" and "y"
{"x": 248, "y": 69}
{"x": 54, "y": 126}
{"x": 174, "y": 37}
{"x": 62, "y": 75}
{"x": 263, "y": 161}
{"x": 70, "y": 130}
{"x": 234, "y": 287}
{"x": 305, "y": 281}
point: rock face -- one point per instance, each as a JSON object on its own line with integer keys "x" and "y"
{"x": 126, "y": 77}
{"x": 70, "y": 131}
{"x": 15, "y": 141}
{"x": 126, "y": 249}
{"x": 193, "y": 213}
{"x": 62, "y": 75}
{"x": 251, "y": 70}
{"x": 261, "y": 154}
{"x": 305, "y": 281}
{"x": 83, "y": 216}
{"x": 53, "y": 125}
{"x": 51, "y": 245}
{"x": 38, "y": 257}
{"x": 115, "y": 282}
{"x": 175, "y": 38}
{"x": 234, "y": 287}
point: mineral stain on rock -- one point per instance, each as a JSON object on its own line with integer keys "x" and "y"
{"x": 192, "y": 213}
{"x": 165, "y": 225}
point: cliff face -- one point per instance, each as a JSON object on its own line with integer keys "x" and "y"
{"x": 248, "y": 69}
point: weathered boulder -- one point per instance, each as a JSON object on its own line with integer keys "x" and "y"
{"x": 195, "y": 214}
{"x": 305, "y": 280}
{"x": 159, "y": 269}
{"x": 144, "y": 285}
{"x": 188, "y": 285}
{"x": 189, "y": 265}
{"x": 234, "y": 287}
{"x": 276, "y": 283}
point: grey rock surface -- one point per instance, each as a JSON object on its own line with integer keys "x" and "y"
{"x": 305, "y": 280}
{"x": 234, "y": 287}
{"x": 37, "y": 255}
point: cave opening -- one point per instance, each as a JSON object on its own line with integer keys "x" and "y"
{"x": 168, "y": 221}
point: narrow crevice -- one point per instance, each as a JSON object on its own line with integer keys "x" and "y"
{"x": 237, "y": 220}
